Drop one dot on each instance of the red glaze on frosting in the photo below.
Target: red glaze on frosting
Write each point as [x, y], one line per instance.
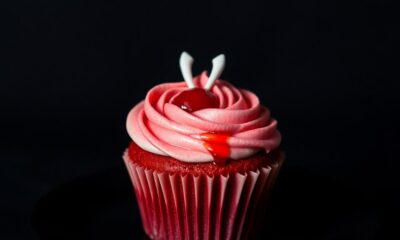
[195, 99]
[217, 145]
[159, 126]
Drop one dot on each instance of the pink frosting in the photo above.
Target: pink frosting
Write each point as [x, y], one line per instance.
[160, 127]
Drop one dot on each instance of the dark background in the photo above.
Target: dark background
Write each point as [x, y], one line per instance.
[71, 70]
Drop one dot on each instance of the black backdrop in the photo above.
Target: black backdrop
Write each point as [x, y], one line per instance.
[71, 70]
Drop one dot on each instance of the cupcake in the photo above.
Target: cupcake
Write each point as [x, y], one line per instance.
[203, 157]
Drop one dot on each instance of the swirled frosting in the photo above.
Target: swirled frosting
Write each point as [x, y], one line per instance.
[160, 127]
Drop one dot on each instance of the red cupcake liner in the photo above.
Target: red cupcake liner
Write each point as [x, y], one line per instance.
[190, 206]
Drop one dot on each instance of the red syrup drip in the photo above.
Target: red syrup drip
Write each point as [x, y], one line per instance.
[217, 145]
[195, 99]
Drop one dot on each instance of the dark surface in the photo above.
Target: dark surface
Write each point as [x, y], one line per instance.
[304, 206]
[70, 71]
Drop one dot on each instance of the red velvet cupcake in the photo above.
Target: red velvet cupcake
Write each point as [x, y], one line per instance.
[203, 159]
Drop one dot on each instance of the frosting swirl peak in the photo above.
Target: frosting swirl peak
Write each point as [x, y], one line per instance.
[161, 127]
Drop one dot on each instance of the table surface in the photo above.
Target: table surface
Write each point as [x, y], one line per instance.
[304, 206]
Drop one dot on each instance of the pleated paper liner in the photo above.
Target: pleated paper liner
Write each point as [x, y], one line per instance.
[188, 206]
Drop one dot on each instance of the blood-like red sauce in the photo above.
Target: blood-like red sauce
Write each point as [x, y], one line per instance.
[217, 145]
[196, 99]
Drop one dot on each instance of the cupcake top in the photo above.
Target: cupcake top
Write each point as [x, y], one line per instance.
[203, 120]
